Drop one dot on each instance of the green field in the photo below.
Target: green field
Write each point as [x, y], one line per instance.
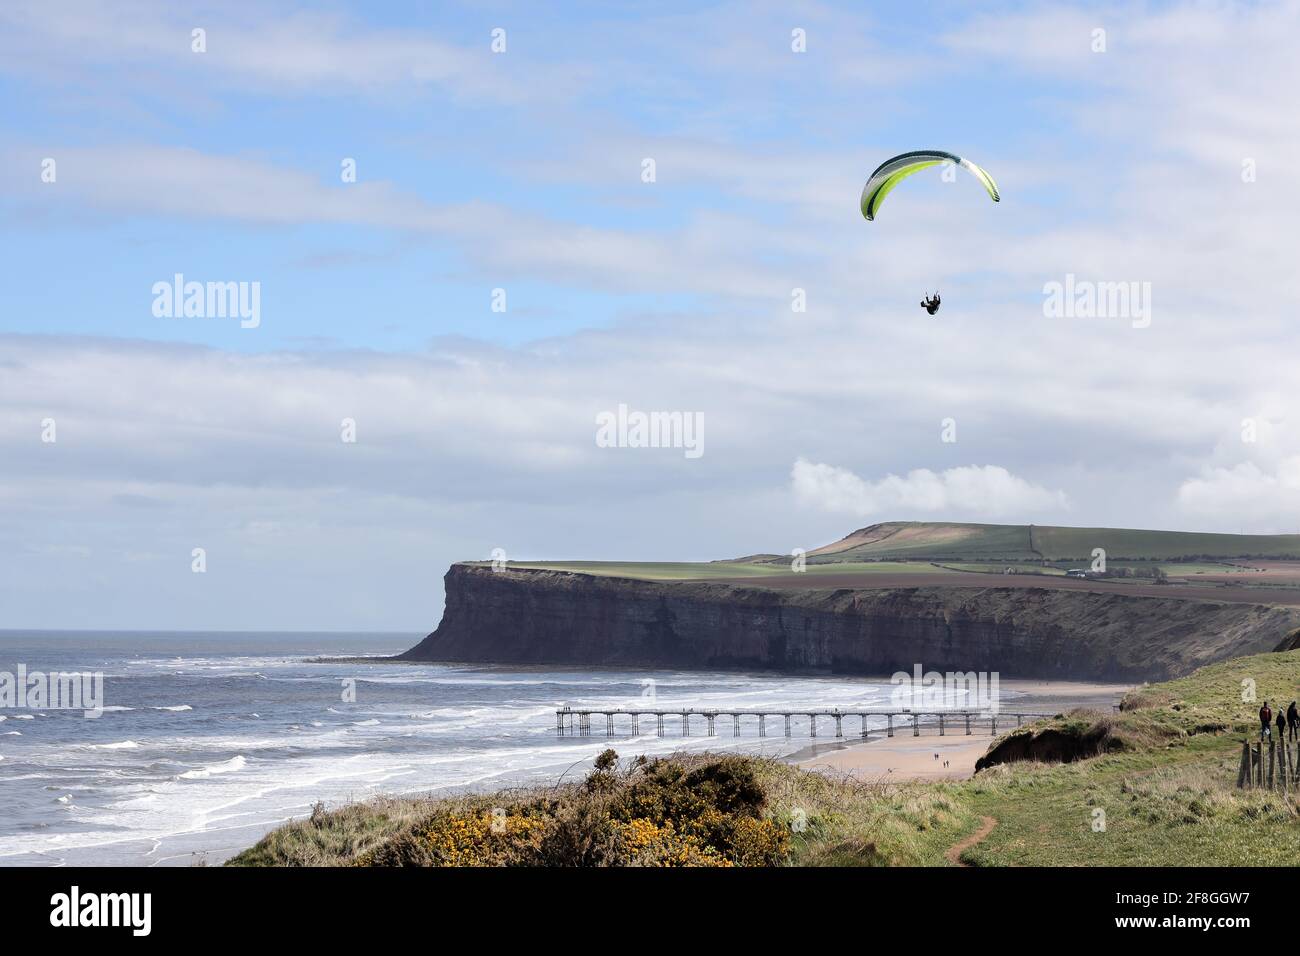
[908, 547]
[985, 542]
[706, 570]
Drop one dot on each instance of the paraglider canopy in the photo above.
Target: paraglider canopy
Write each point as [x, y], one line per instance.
[893, 171]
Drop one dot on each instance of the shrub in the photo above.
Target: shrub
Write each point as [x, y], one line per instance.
[697, 812]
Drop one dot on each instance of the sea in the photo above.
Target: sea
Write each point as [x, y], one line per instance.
[207, 741]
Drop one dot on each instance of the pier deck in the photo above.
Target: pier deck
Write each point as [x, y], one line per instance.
[578, 722]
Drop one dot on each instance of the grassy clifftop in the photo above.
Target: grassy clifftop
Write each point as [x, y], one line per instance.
[905, 546]
[1151, 785]
[982, 542]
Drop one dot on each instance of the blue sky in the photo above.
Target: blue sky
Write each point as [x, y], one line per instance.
[522, 171]
[440, 146]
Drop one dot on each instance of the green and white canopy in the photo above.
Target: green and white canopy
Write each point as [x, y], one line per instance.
[893, 171]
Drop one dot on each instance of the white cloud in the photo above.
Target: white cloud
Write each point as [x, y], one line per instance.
[1246, 493]
[161, 447]
[987, 490]
[273, 52]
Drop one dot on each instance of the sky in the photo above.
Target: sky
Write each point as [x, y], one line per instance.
[558, 210]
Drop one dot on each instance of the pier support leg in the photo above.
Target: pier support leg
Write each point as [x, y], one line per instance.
[968, 725]
[609, 725]
[735, 725]
[916, 728]
[710, 718]
[787, 724]
[762, 725]
[659, 724]
[864, 725]
[636, 725]
[993, 726]
[812, 725]
[839, 726]
[941, 725]
[686, 725]
[891, 725]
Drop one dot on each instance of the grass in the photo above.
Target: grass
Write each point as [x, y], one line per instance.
[1153, 785]
[704, 571]
[990, 542]
[908, 546]
[1168, 799]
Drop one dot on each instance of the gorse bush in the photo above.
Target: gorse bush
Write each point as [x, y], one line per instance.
[655, 813]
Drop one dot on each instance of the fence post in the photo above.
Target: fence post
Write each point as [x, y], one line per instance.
[1270, 762]
[1244, 769]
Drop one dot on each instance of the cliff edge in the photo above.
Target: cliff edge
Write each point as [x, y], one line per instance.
[522, 616]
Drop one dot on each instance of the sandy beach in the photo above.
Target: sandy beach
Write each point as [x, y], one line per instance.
[952, 756]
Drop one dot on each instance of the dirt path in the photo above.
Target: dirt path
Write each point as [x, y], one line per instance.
[957, 849]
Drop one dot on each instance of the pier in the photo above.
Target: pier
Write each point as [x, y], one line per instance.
[579, 722]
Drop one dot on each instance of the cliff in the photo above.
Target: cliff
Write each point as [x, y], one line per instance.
[557, 617]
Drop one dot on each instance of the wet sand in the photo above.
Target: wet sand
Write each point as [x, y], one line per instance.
[904, 757]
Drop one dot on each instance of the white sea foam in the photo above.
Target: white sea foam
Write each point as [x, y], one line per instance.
[423, 729]
[230, 766]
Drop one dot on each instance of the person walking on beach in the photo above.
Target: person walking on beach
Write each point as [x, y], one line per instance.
[1293, 719]
[1265, 721]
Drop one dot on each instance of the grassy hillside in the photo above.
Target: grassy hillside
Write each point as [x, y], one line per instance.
[703, 571]
[983, 542]
[1160, 776]
[909, 546]
[920, 539]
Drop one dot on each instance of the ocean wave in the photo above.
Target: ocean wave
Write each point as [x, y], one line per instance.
[115, 708]
[120, 745]
[177, 709]
[229, 766]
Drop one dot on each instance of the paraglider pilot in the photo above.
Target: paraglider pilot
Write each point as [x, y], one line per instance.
[931, 305]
